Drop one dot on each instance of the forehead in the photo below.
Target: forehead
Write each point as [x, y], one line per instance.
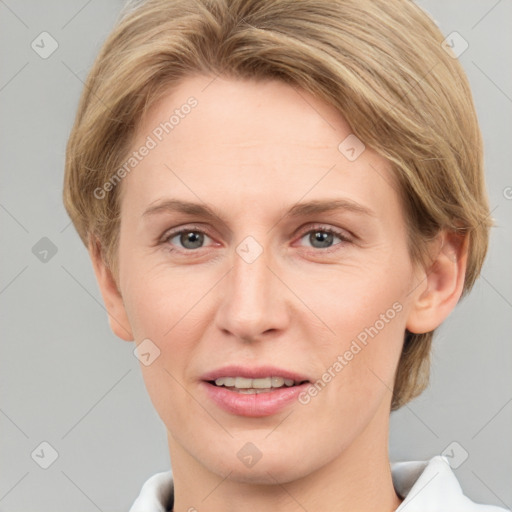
[265, 139]
[244, 114]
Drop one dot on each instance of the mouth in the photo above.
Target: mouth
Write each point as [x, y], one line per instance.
[250, 386]
[253, 391]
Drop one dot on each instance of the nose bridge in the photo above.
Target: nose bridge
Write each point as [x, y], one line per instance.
[249, 305]
[250, 277]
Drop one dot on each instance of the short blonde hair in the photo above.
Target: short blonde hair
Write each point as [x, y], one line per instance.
[380, 63]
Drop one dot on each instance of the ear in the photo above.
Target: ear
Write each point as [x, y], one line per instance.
[441, 284]
[112, 298]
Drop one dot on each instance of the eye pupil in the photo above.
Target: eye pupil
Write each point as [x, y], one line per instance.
[323, 237]
[194, 238]
[319, 239]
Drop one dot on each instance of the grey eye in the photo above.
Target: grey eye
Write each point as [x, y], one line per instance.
[321, 238]
[189, 239]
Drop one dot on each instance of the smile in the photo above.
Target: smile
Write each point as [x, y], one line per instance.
[254, 386]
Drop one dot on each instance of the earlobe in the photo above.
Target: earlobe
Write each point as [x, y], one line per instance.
[441, 284]
[112, 298]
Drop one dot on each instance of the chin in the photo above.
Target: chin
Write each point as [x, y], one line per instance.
[268, 475]
[268, 470]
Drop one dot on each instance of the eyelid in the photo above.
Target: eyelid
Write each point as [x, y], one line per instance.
[344, 235]
[346, 238]
[171, 233]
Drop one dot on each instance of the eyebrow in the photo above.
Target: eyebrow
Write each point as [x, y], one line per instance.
[298, 210]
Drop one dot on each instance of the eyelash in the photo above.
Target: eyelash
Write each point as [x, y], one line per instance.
[320, 229]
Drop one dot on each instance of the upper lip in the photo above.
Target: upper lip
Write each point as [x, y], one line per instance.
[253, 372]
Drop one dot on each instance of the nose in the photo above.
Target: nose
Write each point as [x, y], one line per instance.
[253, 303]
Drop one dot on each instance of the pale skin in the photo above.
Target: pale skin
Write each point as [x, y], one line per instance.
[251, 151]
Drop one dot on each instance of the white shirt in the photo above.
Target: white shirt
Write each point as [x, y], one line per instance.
[425, 486]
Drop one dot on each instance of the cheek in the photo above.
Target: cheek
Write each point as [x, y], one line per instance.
[167, 306]
[357, 301]
[158, 300]
[158, 311]
[364, 310]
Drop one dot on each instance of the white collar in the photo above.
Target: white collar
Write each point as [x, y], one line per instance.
[425, 486]
[431, 486]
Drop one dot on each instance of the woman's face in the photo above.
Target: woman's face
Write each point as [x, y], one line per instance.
[265, 284]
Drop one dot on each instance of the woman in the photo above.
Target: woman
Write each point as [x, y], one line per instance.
[282, 201]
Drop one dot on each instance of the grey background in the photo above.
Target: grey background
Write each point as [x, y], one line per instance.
[66, 379]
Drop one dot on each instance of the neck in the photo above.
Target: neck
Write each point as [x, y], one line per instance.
[359, 479]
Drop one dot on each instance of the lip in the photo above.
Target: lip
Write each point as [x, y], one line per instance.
[253, 405]
[256, 405]
[254, 372]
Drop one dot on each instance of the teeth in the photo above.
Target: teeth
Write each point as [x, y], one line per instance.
[277, 382]
[260, 383]
[254, 384]
[243, 383]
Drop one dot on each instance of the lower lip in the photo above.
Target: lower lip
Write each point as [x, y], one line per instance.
[253, 405]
